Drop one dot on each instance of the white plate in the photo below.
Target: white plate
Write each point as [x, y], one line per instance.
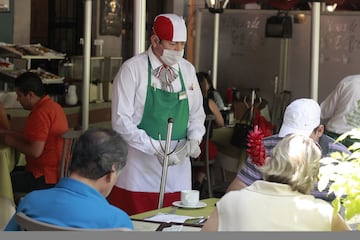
[199, 205]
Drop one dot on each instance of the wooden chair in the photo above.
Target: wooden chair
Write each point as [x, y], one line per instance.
[208, 162]
[70, 138]
[29, 224]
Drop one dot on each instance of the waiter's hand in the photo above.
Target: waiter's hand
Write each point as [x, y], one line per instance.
[193, 148]
[174, 158]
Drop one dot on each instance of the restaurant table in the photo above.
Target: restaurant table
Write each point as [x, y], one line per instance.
[7, 164]
[141, 224]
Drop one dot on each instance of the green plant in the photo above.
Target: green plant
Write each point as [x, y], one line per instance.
[343, 172]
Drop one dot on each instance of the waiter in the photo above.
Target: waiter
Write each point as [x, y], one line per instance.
[148, 89]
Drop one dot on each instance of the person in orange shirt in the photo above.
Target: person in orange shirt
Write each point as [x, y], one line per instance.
[41, 140]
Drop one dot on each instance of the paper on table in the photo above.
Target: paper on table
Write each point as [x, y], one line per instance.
[163, 217]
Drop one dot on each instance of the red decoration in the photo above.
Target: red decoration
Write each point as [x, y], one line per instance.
[256, 148]
[264, 125]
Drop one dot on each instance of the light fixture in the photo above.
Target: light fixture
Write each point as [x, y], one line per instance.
[216, 6]
[331, 7]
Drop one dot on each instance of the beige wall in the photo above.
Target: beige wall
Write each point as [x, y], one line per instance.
[22, 21]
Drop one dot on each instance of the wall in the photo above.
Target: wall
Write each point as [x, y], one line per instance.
[22, 12]
[247, 59]
[6, 23]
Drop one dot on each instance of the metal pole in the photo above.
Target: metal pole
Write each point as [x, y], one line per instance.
[165, 164]
[315, 46]
[283, 65]
[86, 69]
[197, 38]
[139, 26]
[218, 9]
[216, 49]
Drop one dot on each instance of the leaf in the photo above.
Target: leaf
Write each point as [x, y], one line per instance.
[328, 160]
[342, 172]
[322, 184]
[336, 204]
[354, 146]
[335, 155]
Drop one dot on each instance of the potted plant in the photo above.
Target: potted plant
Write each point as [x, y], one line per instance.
[343, 172]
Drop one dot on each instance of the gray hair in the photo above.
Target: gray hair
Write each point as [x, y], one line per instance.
[97, 152]
[295, 161]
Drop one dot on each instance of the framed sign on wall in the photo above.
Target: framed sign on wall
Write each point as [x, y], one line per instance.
[4, 5]
[111, 17]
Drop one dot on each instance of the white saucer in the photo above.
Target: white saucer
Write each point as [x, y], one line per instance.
[199, 205]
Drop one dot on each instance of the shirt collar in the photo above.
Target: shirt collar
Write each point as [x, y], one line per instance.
[272, 188]
[41, 102]
[79, 187]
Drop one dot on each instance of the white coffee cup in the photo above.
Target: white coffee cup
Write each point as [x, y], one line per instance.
[190, 197]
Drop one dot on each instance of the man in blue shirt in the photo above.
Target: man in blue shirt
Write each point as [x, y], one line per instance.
[79, 200]
[302, 116]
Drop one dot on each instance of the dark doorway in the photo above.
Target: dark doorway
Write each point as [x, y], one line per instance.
[58, 24]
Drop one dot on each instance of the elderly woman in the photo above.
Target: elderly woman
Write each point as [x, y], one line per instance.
[280, 202]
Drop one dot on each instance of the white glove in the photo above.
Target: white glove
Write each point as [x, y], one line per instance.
[176, 157]
[193, 148]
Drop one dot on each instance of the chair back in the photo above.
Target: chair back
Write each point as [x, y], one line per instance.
[29, 224]
[70, 138]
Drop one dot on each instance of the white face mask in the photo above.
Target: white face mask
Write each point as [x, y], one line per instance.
[171, 57]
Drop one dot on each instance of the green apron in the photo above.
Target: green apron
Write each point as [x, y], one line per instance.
[161, 105]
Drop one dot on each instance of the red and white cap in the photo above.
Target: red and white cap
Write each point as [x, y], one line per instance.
[170, 27]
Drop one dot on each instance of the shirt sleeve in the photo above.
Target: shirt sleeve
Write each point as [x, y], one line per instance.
[196, 128]
[219, 101]
[12, 225]
[126, 111]
[249, 173]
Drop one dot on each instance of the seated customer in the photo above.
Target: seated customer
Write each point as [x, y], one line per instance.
[341, 109]
[41, 140]
[79, 200]
[212, 93]
[282, 201]
[302, 116]
[210, 108]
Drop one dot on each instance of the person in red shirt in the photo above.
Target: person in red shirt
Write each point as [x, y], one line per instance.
[41, 140]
